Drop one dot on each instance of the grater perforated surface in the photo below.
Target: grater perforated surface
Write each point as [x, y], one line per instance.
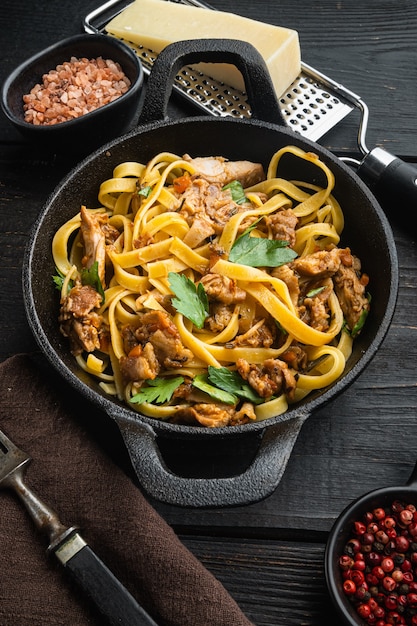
[308, 106]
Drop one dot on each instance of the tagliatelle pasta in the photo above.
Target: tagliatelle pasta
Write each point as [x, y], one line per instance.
[207, 292]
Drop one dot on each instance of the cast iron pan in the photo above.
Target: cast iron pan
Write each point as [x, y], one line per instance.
[367, 232]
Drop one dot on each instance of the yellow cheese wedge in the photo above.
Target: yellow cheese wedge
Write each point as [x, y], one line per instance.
[156, 23]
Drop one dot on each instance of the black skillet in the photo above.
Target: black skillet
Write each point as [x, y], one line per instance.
[240, 464]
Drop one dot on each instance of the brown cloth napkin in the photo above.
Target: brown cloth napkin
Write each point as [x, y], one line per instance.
[74, 475]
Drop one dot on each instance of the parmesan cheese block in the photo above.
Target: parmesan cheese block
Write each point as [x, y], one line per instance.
[156, 23]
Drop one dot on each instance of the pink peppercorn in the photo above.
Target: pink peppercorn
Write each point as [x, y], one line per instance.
[358, 577]
[379, 513]
[378, 572]
[345, 562]
[406, 566]
[401, 544]
[387, 564]
[349, 587]
[389, 583]
[383, 566]
[359, 528]
[364, 610]
[406, 517]
[391, 602]
[397, 575]
[389, 522]
[360, 565]
[412, 599]
[381, 536]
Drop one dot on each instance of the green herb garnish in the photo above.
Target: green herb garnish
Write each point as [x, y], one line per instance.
[233, 383]
[158, 390]
[59, 281]
[259, 252]
[191, 300]
[89, 276]
[237, 191]
[360, 323]
[145, 191]
[315, 292]
[201, 382]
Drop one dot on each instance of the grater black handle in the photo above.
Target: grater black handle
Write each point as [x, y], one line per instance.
[392, 180]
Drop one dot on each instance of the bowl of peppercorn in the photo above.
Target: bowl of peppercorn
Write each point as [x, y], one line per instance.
[76, 94]
[371, 558]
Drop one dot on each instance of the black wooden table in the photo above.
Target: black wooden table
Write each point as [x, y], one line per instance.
[269, 555]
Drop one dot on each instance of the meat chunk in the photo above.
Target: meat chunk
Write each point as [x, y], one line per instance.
[283, 225]
[96, 232]
[350, 290]
[209, 415]
[220, 315]
[222, 289]
[296, 357]
[169, 349]
[289, 277]
[322, 263]
[244, 415]
[314, 309]
[81, 301]
[154, 344]
[272, 378]
[200, 230]
[142, 365]
[215, 415]
[332, 269]
[79, 318]
[208, 201]
[260, 335]
[149, 323]
[220, 170]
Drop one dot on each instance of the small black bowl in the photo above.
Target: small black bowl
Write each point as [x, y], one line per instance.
[342, 530]
[92, 129]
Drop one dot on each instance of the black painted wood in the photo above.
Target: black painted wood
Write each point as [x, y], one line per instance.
[115, 604]
[275, 582]
[270, 554]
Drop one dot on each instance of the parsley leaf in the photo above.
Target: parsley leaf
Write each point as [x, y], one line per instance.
[191, 300]
[90, 277]
[201, 382]
[158, 390]
[237, 191]
[233, 383]
[59, 281]
[145, 191]
[259, 252]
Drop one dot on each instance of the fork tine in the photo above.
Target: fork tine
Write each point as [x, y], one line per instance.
[11, 458]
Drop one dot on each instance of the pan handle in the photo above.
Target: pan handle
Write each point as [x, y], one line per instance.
[392, 180]
[258, 481]
[259, 88]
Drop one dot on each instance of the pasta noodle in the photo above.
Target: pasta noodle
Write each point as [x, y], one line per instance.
[205, 292]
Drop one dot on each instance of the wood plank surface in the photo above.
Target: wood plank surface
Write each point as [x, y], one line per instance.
[268, 554]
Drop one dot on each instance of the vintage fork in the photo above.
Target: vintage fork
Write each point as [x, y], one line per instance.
[114, 602]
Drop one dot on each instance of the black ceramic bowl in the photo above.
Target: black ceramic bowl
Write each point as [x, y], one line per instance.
[342, 530]
[93, 128]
